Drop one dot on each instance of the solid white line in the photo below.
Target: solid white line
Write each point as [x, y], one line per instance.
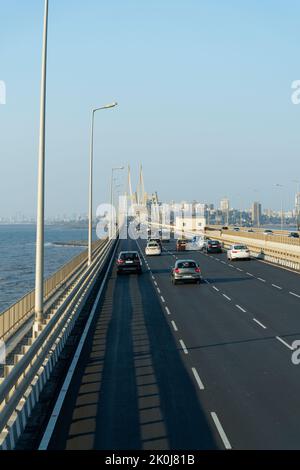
[214, 287]
[174, 325]
[183, 346]
[295, 295]
[283, 342]
[241, 308]
[198, 380]
[162, 299]
[168, 311]
[221, 430]
[260, 279]
[63, 392]
[260, 324]
[226, 297]
[276, 287]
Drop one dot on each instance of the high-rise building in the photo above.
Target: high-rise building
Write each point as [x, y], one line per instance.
[224, 206]
[297, 209]
[256, 213]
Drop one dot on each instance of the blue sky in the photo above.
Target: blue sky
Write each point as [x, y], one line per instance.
[204, 92]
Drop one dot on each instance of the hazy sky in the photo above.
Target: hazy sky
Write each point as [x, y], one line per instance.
[204, 92]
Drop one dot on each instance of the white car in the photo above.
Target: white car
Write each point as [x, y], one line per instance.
[238, 252]
[197, 243]
[152, 248]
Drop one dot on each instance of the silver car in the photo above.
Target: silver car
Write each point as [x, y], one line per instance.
[186, 270]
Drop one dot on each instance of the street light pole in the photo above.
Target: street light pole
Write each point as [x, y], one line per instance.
[90, 230]
[39, 267]
[281, 222]
[111, 198]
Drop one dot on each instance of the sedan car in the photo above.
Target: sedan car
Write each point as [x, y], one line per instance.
[238, 252]
[268, 232]
[186, 270]
[293, 235]
[213, 246]
[155, 240]
[129, 261]
[152, 248]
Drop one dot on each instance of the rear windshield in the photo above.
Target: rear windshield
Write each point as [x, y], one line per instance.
[181, 242]
[130, 256]
[240, 247]
[153, 244]
[186, 264]
[214, 242]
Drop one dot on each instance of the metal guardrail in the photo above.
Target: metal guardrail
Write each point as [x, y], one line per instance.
[12, 317]
[20, 388]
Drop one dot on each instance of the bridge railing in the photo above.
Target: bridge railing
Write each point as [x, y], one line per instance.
[17, 313]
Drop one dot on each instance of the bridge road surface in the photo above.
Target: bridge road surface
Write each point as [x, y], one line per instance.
[189, 366]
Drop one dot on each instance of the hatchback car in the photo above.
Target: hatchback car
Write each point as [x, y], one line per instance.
[155, 240]
[186, 270]
[213, 246]
[238, 252]
[180, 245]
[129, 261]
[152, 248]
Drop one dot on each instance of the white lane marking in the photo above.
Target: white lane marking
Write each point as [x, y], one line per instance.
[223, 262]
[214, 287]
[217, 259]
[230, 265]
[162, 299]
[64, 389]
[197, 378]
[295, 295]
[260, 324]
[205, 280]
[168, 311]
[183, 346]
[226, 297]
[158, 290]
[249, 274]
[260, 279]
[174, 325]
[276, 287]
[155, 283]
[283, 342]
[153, 278]
[221, 430]
[241, 308]
[239, 269]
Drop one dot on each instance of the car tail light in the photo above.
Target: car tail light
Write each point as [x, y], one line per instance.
[234, 251]
[176, 270]
[120, 261]
[197, 270]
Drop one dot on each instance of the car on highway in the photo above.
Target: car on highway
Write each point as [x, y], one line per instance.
[153, 248]
[250, 230]
[293, 235]
[268, 232]
[186, 270]
[129, 261]
[236, 229]
[213, 246]
[156, 240]
[180, 244]
[238, 252]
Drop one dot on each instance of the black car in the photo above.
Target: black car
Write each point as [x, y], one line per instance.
[293, 235]
[213, 246]
[129, 261]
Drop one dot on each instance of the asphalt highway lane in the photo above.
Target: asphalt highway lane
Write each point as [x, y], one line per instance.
[189, 366]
